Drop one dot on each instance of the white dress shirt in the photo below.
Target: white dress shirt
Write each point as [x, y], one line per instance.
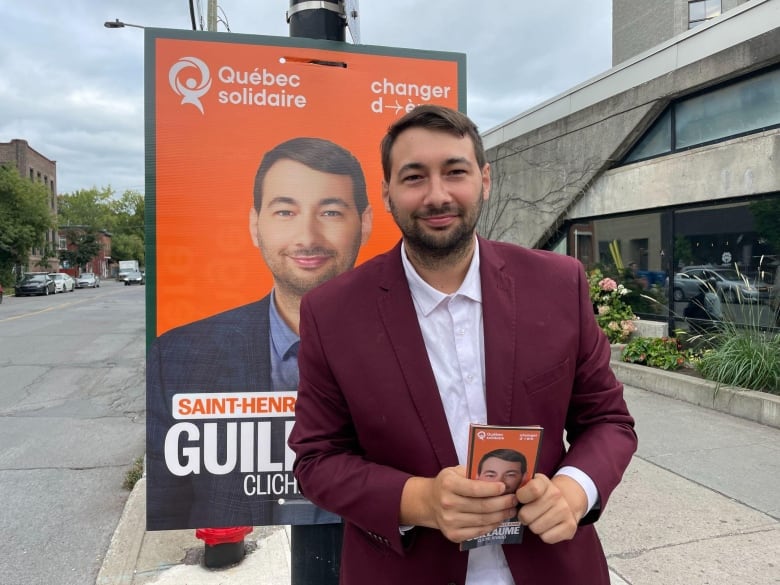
[454, 338]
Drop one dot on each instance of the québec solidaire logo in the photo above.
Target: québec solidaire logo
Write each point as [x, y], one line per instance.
[191, 89]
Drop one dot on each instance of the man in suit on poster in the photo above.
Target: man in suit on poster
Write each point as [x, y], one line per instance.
[398, 356]
[309, 219]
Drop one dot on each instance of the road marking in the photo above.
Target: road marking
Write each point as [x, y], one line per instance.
[66, 304]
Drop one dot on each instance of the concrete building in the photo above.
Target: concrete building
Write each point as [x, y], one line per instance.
[671, 157]
[639, 26]
[33, 165]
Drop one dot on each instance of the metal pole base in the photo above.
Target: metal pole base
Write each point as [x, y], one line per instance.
[315, 554]
[223, 555]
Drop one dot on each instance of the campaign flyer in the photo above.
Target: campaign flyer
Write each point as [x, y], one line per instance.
[506, 454]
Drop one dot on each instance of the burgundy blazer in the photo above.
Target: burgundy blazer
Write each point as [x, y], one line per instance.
[369, 416]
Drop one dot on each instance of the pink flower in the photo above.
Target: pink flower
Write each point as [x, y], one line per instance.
[607, 284]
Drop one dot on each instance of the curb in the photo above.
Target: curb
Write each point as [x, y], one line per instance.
[760, 407]
[120, 561]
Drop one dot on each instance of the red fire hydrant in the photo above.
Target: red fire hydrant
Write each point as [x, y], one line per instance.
[224, 546]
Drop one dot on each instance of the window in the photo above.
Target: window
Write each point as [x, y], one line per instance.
[745, 106]
[701, 11]
[657, 140]
[733, 246]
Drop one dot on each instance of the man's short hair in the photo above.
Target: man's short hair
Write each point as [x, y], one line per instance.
[506, 455]
[432, 117]
[317, 154]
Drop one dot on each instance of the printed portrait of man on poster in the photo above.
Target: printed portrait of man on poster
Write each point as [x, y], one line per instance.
[263, 181]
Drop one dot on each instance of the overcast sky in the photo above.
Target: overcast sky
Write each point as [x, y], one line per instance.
[74, 89]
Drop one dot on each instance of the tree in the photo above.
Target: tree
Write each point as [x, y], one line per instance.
[87, 207]
[766, 213]
[24, 219]
[85, 247]
[127, 241]
[99, 209]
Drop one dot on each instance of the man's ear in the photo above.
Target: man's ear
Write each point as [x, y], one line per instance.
[386, 195]
[486, 181]
[253, 227]
[366, 224]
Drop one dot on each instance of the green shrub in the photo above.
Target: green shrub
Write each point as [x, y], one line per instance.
[747, 359]
[665, 353]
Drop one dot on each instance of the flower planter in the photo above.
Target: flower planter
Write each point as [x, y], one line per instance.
[760, 407]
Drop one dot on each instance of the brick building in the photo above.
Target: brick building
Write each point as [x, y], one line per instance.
[33, 165]
[100, 264]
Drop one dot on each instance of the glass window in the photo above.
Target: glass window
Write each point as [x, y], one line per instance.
[700, 11]
[657, 140]
[664, 259]
[734, 250]
[696, 11]
[630, 250]
[712, 8]
[749, 105]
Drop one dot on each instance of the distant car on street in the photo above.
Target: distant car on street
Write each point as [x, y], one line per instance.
[135, 277]
[88, 280]
[34, 283]
[62, 282]
[730, 285]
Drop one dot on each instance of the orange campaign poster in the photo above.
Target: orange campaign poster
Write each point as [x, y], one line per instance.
[263, 180]
[506, 454]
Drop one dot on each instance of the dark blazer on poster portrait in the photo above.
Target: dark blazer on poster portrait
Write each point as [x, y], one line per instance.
[228, 352]
[369, 414]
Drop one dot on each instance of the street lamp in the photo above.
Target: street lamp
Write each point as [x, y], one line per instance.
[119, 24]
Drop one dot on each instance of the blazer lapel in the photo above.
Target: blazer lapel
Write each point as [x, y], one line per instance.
[500, 319]
[400, 321]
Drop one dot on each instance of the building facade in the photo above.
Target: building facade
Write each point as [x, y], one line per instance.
[100, 264]
[667, 162]
[33, 165]
[639, 26]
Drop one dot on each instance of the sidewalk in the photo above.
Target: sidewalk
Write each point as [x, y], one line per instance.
[698, 504]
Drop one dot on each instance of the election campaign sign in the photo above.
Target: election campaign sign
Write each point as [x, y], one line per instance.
[263, 181]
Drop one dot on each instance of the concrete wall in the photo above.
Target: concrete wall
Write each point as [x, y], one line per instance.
[638, 26]
[742, 166]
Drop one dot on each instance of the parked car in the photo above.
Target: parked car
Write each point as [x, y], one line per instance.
[730, 285]
[62, 282]
[1, 293]
[88, 280]
[685, 287]
[34, 283]
[134, 277]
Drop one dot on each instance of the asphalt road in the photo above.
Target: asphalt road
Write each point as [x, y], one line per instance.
[72, 408]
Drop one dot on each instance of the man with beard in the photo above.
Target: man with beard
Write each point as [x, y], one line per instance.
[310, 217]
[398, 356]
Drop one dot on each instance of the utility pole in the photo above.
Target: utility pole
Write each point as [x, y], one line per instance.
[211, 16]
[315, 550]
[317, 20]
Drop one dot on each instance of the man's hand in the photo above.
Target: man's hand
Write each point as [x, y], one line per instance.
[461, 508]
[552, 508]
